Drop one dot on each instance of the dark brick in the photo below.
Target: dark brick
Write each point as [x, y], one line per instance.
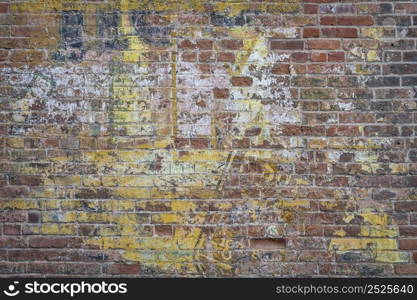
[400, 69]
[287, 45]
[374, 81]
[409, 80]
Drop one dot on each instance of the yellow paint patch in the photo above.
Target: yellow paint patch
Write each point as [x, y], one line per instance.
[58, 229]
[372, 56]
[339, 232]
[378, 231]
[375, 219]
[167, 218]
[347, 244]
[179, 205]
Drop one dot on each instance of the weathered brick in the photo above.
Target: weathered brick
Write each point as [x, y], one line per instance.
[267, 243]
[387, 81]
[241, 81]
[340, 32]
[318, 57]
[299, 57]
[215, 140]
[336, 56]
[226, 57]
[54, 242]
[281, 69]
[317, 93]
[310, 8]
[405, 7]
[408, 231]
[381, 131]
[408, 244]
[231, 44]
[11, 229]
[220, 93]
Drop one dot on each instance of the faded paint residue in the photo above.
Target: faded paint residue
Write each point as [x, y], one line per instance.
[207, 138]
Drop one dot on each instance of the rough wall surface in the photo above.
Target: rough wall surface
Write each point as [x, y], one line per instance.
[208, 138]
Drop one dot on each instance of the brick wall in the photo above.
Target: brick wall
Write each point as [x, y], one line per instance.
[208, 138]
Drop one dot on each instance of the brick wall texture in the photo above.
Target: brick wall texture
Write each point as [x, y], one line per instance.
[208, 138]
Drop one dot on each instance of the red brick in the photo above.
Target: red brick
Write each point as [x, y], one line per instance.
[328, 20]
[4, 8]
[318, 57]
[207, 56]
[324, 44]
[299, 57]
[336, 56]
[406, 269]
[189, 56]
[267, 243]
[241, 81]
[281, 69]
[311, 32]
[287, 45]
[408, 244]
[310, 8]
[12, 242]
[204, 44]
[355, 21]
[226, 57]
[192, 19]
[220, 93]
[340, 32]
[187, 44]
[231, 44]
[163, 230]
[18, 56]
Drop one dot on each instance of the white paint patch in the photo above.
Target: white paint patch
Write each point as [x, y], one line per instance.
[334, 156]
[346, 106]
